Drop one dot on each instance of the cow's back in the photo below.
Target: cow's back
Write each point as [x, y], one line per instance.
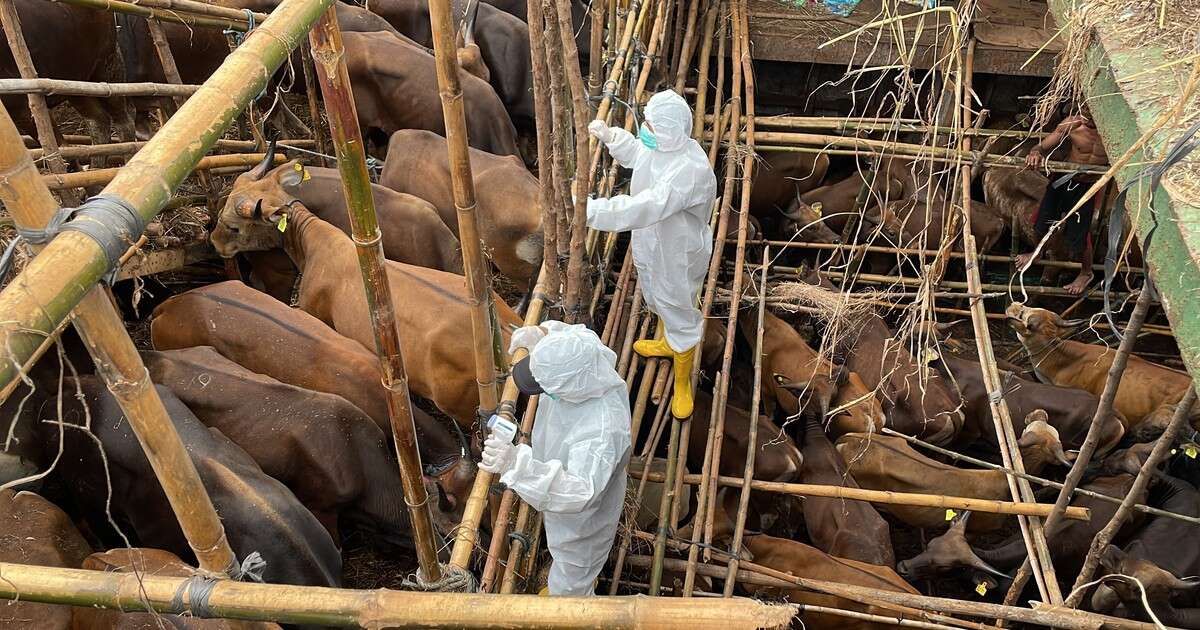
[34, 531]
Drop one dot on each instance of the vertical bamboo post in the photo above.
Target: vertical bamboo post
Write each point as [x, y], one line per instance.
[739, 525]
[38, 108]
[325, 39]
[314, 106]
[544, 122]
[1035, 537]
[710, 20]
[683, 63]
[118, 362]
[478, 276]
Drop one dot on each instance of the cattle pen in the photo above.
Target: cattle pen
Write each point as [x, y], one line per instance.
[897, 423]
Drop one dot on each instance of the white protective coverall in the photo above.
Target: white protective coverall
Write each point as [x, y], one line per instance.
[574, 472]
[668, 208]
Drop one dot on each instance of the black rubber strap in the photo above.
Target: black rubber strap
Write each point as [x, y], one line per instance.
[113, 223]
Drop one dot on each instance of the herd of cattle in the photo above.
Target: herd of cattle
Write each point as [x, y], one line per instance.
[273, 388]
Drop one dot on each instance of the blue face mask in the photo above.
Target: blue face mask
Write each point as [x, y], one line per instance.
[647, 138]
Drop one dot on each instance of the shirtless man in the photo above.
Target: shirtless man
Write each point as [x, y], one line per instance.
[1085, 148]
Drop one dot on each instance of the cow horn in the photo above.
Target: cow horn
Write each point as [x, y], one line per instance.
[268, 160]
[1073, 323]
[469, 23]
[945, 327]
[977, 563]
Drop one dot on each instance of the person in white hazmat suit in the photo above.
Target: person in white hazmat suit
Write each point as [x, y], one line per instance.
[573, 470]
[667, 210]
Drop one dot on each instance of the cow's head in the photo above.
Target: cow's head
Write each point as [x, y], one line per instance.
[1040, 444]
[807, 224]
[1128, 461]
[260, 199]
[946, 553]
[1160, 585]
[1155, 424]
[815, 391]
[1029, 322]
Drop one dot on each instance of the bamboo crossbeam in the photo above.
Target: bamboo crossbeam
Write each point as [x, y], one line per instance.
[119, 364]
[61, 87]
[326, 41]
[42, 295]
[883, 124]
[202, 8]
[885, 497]
[384, 608]
[944, 155]
[84, 151]
[99, 176]
[1053, 617]
[175, 16]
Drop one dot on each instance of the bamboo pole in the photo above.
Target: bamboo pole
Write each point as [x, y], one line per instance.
[62, 87]
[98, 176]
[543, 118]
[739, 523]
[84, 151]
[837, 123]
[984, 160]
[914, 499]
[203, 8]
[382, 608]
[120, 365]
[1148, 470]
[467, 533]
[710, 21]
[683, 63]
[478, 276]
[166, 15]
[42, 295]
[743, 75]
[326, 41]
[314, 105]
[1107, 397]
[1146, 509]
[715, 418]
[39, 110]
[1048, 616]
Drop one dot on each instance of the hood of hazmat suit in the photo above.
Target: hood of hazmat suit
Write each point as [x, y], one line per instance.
[667, 209]
[574, 469]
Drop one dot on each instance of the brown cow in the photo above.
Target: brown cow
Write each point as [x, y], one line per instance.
[92, 56]
[837, 200]
[158, 563]
[847, 529]
[800, 559]
[780, 177]
[882, 462]
[776, 457]
[413, 232]
[790, 366]
[1144, 387]
[326, 450]
[34, 531]
[239, 322]
[110, 480]
[431, 307]
[395, 87]
[1068, 410]
[915, 224]
[503, 41]
[506, 198]
[917, 400]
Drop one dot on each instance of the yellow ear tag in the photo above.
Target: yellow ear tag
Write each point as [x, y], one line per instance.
[950, 514]
[930, 356]
[981, 588]
[1190, 450]
[304, 176]
[817, 207]
[282, 225]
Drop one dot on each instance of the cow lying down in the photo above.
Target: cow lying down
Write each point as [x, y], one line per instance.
[259, 514]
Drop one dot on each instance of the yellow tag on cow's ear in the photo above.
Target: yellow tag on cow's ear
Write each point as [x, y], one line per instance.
[304, 175]
[930, 356]
[981, 588]
[1190, 450]
[950, 514]
[282, 225]
[817, 207]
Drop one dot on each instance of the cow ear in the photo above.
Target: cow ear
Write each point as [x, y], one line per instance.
[292, 174]
[1111, 558]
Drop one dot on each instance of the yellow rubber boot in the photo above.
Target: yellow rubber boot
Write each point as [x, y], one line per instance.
[656, 347]
[681, 400]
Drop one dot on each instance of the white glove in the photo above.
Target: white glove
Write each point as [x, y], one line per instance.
[600, 131]
[525, 337]
[498, 455]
